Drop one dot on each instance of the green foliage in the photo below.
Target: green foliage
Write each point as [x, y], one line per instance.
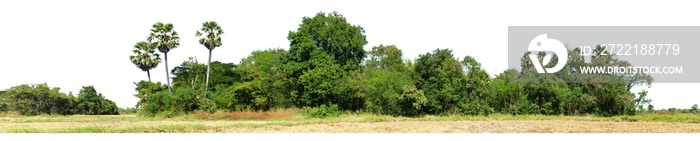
[164, 38]
[210, 41]
[193, 74]
[326, 65]
[441, 77]
[694, 109]
[331, 34]
[212, 32]
[89, 102]
[324, 111]
[266, 68]
[247, 96]
[641, 100]
[323, 50]
[145, 57]
[145, 89]
[4, 103]
[42, 99]
[155, 101]
[386, 84]
[128, 110]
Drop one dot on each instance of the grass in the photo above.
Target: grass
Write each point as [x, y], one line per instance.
[295, 120]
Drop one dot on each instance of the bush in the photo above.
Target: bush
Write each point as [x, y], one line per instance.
[183, 100]
[156, 103]
[206, 105]
[128, 110]
[89, 102]
[325, 111]
[3, 107]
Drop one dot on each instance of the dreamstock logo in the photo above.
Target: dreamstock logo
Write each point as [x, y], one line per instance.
[542, 43]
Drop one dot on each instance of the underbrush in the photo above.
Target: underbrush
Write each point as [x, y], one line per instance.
[245, 115]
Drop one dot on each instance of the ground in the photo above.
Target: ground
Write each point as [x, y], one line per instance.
[361, 123]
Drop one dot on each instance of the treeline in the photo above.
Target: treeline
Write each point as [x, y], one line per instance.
[326, 66]
[41, 99]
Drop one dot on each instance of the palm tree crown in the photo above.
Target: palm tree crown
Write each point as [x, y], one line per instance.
[165, 37]
[213, 35]
[145, 56]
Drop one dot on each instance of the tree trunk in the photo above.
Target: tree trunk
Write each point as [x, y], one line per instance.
[167, 74]
[206, 85]
[149, 75]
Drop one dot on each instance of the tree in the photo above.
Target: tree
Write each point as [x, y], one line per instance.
[386, 84]
[90, 102]
[145, 57]
[442, 79]
[477, 93]
[266, 67]
[210, 41]
[323, 50]
[42, 99]
[332, 34]
[165, 39]
[189, 74]
[694, 108]
[36, 99]
[641, 100]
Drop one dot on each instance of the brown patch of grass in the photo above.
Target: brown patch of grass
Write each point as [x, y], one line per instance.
[243, 115]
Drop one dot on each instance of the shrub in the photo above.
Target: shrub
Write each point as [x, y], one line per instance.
[206, 105]
[325, 111]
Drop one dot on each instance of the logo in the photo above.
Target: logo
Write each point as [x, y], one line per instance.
[542, 43]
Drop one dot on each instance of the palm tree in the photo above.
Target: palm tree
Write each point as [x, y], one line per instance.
[210, 41]
[165, 39]
[145, 57]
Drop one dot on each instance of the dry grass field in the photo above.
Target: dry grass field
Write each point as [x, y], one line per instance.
[290, 122]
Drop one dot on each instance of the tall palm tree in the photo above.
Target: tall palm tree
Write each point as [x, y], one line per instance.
[165, 39]
[213, 32]
[145, 57]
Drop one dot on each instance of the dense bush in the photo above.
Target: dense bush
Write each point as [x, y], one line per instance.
[42, 99]
[442, 79]
[155, 100]
[325, 111]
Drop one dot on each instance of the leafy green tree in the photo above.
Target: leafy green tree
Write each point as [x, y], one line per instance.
[145, 57]
[442, 79]
[266, 67]
[210, 41]
[477, 91]
[35, 99]
[144, 89]
[165, 39]
[323, 50]
[42, 99]
[191, 74]
[694, 108]
[386, 84]
[3, 102]
[92, 103]
[641, 100]
[332, 34]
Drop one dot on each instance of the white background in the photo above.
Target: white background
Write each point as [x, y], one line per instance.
[72, 43]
